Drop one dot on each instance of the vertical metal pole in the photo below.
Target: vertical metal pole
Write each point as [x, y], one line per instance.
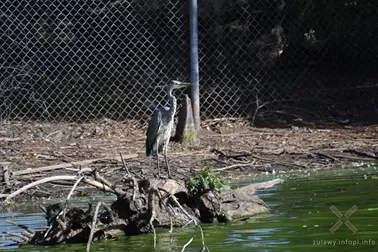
[194, 72]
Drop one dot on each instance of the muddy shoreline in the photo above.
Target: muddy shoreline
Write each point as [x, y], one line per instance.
[231, 146]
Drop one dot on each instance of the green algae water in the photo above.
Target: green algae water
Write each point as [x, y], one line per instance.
[333, 210]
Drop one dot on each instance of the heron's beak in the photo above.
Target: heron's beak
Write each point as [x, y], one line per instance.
[179, 84]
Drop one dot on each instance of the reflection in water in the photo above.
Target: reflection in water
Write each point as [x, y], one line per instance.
[299, 221]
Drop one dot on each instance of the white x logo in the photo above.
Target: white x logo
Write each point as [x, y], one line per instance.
[347, 222]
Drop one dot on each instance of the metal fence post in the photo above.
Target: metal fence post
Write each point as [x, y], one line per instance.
[194, 75]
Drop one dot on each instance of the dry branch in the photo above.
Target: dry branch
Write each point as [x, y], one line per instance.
[221, 154]
[8, 139]
[68, 165]
[124, 164]
[321, 154]
[74, 187]
[24, 238]
[36, 183]
[280, 163]
[366, 159]
[362, 153]
[252, 164]
[97, 184]
[191, 218]
[49, 179]
[93, 227]
[152, 211]
[26, 228]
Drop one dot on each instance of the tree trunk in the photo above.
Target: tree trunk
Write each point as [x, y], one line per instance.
[186, 132]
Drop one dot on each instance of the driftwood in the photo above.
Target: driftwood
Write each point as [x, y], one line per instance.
[141, 206]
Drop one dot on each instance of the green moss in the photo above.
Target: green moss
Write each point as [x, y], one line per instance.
[190, 137]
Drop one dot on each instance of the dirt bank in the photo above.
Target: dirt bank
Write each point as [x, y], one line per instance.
[232, 146]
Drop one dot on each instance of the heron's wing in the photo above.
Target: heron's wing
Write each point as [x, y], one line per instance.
[152, 131]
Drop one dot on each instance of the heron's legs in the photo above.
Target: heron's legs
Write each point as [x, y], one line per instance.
[157, 156]
[166, 159]
[158, 166]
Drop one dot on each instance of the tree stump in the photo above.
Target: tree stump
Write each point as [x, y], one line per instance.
[6, 173]
[186, 132]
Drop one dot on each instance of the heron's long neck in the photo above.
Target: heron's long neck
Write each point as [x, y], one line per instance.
[172, 103]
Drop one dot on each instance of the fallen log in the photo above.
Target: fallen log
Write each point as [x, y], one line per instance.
[141, 206]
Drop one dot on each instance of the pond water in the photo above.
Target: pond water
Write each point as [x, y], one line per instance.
[300, 220]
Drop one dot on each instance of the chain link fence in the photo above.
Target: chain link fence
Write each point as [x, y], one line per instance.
[82, 60]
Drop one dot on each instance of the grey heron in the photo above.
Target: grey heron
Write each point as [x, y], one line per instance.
[161, 124]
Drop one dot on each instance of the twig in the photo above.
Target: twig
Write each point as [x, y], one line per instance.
[235, 156]
[152, 212]
[170, 229]
[176, 202]
[74, 187]
[52, 133]
[258, 107]
[15, 240]
[124, 164]
[281, 163]
[171, 211]
[36, 183]
[82, 170]
[135, 184]
[45, 157]
[26, 228]
[219, 152]
[362, 153]
[99, 185]
[108, 184]
[93, 226]
[192, 219]
[102, 179]
[48, 230]
[54, 167]
[62, 225]
[67, 165]
[204, 246]
[190, 240]
[252, 164]
[109, 211]
[321, 154]
[49, 179]
[282, 112]
[355, 158]
[8, 139]
[27, 234]
[63, 212]
[223, 119]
